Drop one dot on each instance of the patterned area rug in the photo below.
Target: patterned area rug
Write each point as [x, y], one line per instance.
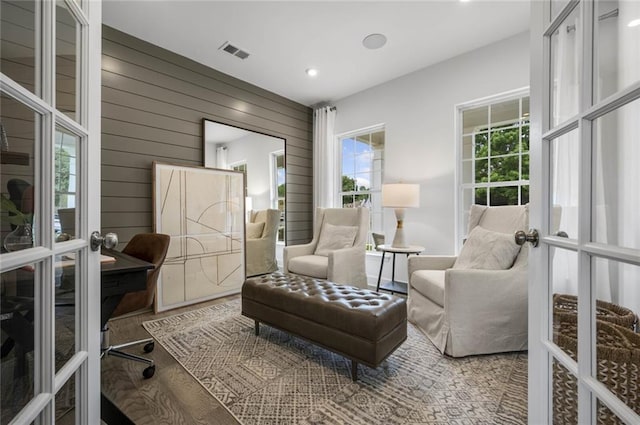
[275, 378]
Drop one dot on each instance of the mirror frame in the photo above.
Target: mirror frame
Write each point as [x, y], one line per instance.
[284, 143]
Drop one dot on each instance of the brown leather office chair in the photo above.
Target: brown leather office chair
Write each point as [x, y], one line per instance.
[151, 247]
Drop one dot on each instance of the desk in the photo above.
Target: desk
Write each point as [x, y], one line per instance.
[125, 274]
[393, 286]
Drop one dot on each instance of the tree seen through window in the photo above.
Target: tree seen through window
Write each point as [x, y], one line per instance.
[495, 158]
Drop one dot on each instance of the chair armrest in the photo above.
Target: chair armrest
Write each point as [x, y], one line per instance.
[257, 246]
[430, 262]
[485, 292]
[293, 251]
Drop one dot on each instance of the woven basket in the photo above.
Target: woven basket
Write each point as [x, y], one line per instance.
[618, 359]
[565, 308]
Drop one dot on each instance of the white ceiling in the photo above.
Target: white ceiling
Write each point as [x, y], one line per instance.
[285, 38]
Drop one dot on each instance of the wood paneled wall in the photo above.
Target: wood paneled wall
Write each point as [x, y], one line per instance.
[153, 102]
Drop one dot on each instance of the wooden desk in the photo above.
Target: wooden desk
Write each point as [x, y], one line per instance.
[125, 274]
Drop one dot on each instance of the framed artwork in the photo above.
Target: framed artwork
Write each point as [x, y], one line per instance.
[202, 210]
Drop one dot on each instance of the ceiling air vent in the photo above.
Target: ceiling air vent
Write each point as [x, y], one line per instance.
[233, 50]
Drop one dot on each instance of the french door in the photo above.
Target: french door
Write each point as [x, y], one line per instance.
[584, 345]
[50, 154]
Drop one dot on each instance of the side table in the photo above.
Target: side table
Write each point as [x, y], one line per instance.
[393, 286]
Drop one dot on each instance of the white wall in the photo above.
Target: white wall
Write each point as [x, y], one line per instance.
[418, 111]
[256, 150]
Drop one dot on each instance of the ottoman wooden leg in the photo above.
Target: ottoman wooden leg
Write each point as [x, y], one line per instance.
[257, 328]
[354, 370]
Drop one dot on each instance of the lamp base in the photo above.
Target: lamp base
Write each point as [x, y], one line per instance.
[398, 239]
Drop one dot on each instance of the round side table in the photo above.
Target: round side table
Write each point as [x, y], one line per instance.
[393, 286]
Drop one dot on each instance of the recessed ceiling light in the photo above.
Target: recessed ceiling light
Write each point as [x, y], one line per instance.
[634, 23]
[464, 1]
[374, 41]
[311, 72]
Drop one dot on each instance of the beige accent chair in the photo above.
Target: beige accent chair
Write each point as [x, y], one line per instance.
[471, 311]
[344, 262]
[261, 251]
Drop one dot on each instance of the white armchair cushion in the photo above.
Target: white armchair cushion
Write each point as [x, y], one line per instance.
[335, 237]
[310, 265]
[254, 230]
[487, 250]
[429, 283]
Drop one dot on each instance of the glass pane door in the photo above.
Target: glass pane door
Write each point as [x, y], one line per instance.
[49, 281]
[585, 287]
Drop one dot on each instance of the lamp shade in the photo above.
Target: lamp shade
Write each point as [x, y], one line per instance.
[401, 195]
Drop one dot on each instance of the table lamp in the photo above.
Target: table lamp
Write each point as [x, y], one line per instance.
[400, 196]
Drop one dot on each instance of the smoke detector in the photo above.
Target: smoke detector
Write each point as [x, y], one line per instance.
[233, 50]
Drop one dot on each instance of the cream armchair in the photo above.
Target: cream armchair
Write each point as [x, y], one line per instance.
[337, 251]
[467, 311]
[262, 234]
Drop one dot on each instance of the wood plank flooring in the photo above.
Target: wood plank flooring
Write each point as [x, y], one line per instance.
[172, 395]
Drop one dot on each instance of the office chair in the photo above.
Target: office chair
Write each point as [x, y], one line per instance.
[151, 247]
[17, 310]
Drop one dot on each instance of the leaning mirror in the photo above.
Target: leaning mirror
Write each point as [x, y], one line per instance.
[262, 158]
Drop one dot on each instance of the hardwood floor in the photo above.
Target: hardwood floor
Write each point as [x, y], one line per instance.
[172, 395]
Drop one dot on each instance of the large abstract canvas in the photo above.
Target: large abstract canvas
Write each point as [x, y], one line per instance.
[202, 209]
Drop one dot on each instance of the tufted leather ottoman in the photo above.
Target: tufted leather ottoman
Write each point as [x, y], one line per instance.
[362, 325]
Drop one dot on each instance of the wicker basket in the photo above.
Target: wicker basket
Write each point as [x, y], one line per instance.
[565, 308]
[618, 359]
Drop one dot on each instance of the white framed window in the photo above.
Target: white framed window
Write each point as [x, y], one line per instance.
[492, 154]
[65, 151]
[239, 166]
[361, 159]
[278, 189]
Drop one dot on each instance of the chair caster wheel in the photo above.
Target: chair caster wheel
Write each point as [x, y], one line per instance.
[149, 347]
[148, 372]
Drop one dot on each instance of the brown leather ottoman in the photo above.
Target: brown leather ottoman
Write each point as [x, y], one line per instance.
[362, 325]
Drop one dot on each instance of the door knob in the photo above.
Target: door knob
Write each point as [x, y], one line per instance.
[109, 241]
[531, 237]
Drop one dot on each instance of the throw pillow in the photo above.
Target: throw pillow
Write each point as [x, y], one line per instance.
[487, 250]
[335, 237]
[254, 230]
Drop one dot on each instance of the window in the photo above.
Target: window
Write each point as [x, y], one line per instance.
[65, 169]
[65, 158]
[361, 162]
[494, 154]
[240, 166]
[278, 189]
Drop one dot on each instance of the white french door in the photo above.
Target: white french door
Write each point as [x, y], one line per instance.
[50, 153]
[584, 291]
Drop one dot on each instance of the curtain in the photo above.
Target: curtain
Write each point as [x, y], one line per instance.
[625, 227]
[617, 199]
[606, 187]
[324, 157]
[564, 155]
[221, 158]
